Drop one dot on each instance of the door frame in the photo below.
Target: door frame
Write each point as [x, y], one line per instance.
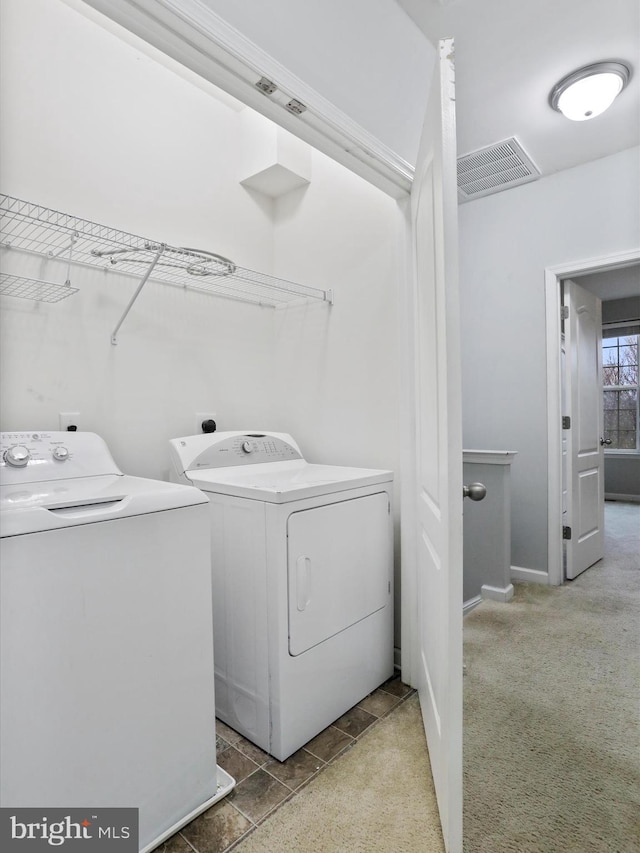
[553, 277]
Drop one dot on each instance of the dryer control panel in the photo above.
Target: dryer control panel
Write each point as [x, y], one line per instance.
[224, 449]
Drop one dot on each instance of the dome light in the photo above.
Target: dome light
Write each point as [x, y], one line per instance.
[589, 91]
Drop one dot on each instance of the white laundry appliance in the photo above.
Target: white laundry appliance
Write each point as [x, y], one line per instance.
[302, 563]
[107, 687]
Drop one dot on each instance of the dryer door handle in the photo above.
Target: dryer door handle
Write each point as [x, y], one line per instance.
[303, 582]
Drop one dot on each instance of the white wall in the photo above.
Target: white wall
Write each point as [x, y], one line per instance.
[101, 130]
[340, 368]
[94, 127]
[506, 241]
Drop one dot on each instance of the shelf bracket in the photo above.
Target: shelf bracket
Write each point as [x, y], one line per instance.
[114, 334]
[62, 250]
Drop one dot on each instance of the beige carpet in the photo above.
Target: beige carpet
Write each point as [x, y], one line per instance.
[376, 798]
[552, 738]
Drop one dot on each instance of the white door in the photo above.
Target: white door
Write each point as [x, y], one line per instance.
[432, 506]
[585, 457]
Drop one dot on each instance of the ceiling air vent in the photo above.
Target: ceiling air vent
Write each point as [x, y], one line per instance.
[493, 169]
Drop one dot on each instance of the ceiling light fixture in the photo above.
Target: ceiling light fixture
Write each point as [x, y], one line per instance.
[589, 91]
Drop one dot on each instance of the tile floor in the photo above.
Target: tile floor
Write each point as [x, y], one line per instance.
[263, 784]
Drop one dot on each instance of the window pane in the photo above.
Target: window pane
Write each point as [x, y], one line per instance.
[611, 400]
[620, 369]
[628, 340]
[627, 441]
[610, 375]
[627, 419]
[628, 374]
[628, 355]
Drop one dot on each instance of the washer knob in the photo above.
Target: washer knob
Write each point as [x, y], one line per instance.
[246, 446]
[17, 456]
[60, 453]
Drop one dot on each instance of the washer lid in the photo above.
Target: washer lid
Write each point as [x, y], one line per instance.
[33, 507]
[281, 482]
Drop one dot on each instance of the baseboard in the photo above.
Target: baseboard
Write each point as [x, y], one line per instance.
[623, 498]
[468, 606]
[497, 593]
[518, 573]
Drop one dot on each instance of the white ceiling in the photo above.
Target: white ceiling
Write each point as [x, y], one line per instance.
[613, 284]
[509, 55]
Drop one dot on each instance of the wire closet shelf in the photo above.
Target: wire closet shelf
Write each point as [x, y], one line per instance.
[36, 229]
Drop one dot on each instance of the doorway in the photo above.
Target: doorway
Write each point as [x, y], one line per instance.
[554, 276]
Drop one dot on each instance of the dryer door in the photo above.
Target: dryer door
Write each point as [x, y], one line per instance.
[339, 567]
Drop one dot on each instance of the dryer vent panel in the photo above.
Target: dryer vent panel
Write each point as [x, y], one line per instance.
[493, 169]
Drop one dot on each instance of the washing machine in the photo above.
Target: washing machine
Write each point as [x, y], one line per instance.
[107, 686]
[302, 564]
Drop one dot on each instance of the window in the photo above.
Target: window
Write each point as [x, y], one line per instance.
[620, 381]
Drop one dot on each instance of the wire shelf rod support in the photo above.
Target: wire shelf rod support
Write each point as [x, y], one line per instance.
[114, 334]
[63, 249]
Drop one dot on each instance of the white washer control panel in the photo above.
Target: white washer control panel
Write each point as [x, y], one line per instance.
[27, 457]
[20, 448]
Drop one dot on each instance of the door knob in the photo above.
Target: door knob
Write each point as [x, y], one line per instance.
[606, 441]
[475, 491]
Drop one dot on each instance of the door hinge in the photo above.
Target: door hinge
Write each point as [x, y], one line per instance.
[566, 533]
[268, 87]
[566, 422]
[564, 312]
[295, 107]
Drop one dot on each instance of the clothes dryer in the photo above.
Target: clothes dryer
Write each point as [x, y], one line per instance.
[107, 686]
[302, 563]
